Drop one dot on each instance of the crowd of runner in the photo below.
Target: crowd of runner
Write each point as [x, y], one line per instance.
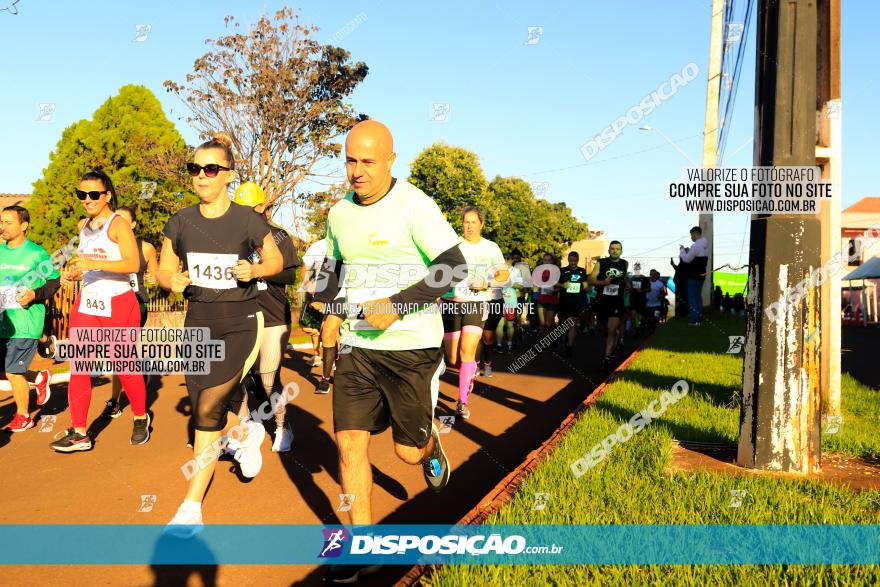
[381, 345]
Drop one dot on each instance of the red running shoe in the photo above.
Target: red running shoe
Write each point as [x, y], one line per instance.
[19, 424]
[43, 391]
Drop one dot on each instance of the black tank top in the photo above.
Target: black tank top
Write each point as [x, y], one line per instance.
[616, 271]
[273, 299]
[210, 247]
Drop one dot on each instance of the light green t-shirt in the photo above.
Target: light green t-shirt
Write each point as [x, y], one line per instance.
[385, 247]
[481, 257]
[27, 265]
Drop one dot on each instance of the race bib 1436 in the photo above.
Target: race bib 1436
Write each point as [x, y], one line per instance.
[212, 270]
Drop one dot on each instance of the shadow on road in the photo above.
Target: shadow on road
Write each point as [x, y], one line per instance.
[475, 477]
[165, 575]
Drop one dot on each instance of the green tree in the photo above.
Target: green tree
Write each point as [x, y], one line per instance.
[516, 220]
[452, 176]
[509, 204]
[282, 97]
[132, 141]
[559, 225]
[315, 216]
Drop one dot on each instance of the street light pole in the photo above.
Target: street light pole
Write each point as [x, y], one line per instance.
[706, 220]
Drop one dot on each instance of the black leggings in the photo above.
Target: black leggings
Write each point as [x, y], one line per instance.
[239, 325]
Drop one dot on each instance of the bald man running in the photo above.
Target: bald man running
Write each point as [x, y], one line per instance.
[393, 326]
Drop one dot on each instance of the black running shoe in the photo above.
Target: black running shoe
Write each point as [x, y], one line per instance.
[141, 432]
[436, 468]
[606, 364]
[46, 348]
[112, 409]
[72, 441]
[347, 574]
[323, 387]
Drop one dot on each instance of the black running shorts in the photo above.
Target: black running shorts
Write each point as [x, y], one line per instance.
[496, 311]
[567, 311]
[459, 314]
[238, 325]
[374, 389]
[610, 307]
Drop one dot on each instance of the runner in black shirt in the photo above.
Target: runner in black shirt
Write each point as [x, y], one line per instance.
[214, 241]
[641, 285]
[273, 302]
[610, 275]
[572, 288]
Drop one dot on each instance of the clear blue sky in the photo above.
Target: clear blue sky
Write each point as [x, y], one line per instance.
[525, 109]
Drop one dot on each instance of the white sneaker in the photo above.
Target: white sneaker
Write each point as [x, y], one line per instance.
[249, 456]
[283, 440]
[315, 361]
[232, 444]
[186, 523]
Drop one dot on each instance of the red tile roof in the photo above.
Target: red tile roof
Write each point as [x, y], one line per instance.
[865, 206]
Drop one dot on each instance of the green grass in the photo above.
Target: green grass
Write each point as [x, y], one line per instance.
[860, 431]
[633, 485]
[711, 410]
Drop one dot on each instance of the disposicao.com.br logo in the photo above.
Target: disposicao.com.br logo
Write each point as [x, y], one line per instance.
[449, 544]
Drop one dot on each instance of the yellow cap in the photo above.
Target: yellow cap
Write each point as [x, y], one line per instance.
[249, 194]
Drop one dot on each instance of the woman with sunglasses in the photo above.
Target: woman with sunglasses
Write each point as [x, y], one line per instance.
[214, 240]
[106, 255]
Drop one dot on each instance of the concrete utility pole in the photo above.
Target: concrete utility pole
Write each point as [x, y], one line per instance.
[710, 132]
[828, 157]
[780, 425]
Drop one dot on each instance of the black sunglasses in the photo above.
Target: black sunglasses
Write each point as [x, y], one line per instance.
[91, 195]
[211, 169]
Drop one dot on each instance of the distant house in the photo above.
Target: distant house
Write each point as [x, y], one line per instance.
[13, 199]
[859, 296]
[590, 249]
[854, 224]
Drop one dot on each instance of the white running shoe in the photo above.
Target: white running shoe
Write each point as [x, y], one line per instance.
[232, 444]
[249, 456]
[186, 523]
[283, 440]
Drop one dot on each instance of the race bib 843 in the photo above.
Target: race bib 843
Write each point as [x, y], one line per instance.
[95, 303]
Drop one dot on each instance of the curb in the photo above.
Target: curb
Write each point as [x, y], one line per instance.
[507, 487]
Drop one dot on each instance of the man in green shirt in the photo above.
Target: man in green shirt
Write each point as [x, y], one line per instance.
[27, 278]
[398, 256]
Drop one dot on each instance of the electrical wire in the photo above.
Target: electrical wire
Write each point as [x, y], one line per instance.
[727, 116]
